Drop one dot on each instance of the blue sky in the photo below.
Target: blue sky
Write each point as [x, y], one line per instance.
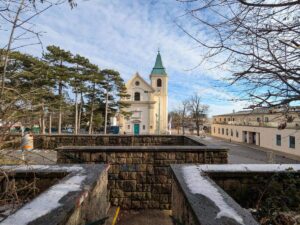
[125, 35]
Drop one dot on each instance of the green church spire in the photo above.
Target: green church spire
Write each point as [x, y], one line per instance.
[158, 68]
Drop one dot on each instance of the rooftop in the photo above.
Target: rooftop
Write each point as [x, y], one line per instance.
[263, 110]
[158, 68]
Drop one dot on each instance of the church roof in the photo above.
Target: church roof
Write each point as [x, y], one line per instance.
[158, 68]
[137, 75]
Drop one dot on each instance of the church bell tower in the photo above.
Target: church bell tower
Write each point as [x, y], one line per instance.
[159, 81]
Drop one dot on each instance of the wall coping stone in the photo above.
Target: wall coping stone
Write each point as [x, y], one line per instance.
[172, 148]
[67, 203]
[205, 209]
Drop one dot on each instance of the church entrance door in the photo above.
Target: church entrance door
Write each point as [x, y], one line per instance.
[136, 129]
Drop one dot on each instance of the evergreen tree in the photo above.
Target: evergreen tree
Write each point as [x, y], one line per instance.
[114, 89]
[77, 82]
[59, 60]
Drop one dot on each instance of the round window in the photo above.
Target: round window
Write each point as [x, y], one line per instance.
[137, 83]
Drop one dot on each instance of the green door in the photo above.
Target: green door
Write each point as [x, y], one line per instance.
[136, 129]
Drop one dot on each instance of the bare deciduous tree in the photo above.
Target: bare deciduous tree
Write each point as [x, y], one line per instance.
[259, 42]
[198, 111]
[183, 111]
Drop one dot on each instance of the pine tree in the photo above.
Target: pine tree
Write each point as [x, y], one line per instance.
[77, 82]
[59, 60]
[114, 89]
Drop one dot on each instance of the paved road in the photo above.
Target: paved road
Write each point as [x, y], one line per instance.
[240, 153]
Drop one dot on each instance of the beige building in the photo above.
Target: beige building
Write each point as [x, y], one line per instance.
[265, 127]
[148, 103]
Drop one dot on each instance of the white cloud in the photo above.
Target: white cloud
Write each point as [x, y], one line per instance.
[125, 35]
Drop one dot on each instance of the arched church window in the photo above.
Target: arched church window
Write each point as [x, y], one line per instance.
[159, 82]
[137, 96]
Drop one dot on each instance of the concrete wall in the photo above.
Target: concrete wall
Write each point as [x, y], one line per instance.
[266, 136]
[139, 177]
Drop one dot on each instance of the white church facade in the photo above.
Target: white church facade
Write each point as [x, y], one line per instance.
[148, 103]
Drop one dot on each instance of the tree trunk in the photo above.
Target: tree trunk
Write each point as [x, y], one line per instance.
[16, 19]
[182, 124]
[76, 113]
[106, 112]
[80, 112]
[198, 129]
[91, 119]
[60, 110]
[50, 123]
[92, 111]
[43, 126]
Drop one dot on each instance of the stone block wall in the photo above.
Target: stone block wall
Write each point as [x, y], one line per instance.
[55, 141]
[181, 209]
[86, 204]
[138, 177]
[94, 207]
[191, 204]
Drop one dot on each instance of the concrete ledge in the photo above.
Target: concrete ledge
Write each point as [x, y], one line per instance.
[197, 199]
[71, 201]
[172, 148]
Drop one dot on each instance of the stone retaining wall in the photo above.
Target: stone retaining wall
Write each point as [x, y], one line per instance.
[75, 206]
[55, 141]
[140, 177]
[200, 193]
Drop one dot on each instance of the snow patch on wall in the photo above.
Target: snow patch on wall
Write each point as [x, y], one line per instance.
[197, 184]
[248, 167]
[48, 200]
[27, 168]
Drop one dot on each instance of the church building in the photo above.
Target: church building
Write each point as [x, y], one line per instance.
[148, 103]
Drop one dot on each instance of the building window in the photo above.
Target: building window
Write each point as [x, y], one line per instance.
[137, 96]
[226, 131]
[232, 119]
[137, 83]
[218, 130]
[224, 119]
[292, 142]
[144, 127]
[128, 127]
[223, 131]
[158, 83]
[214, 130]
[231, 132]
[258, 119]
[278, 139]
[266, 119]
[237, 134]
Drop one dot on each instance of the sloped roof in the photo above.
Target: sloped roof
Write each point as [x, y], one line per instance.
[137, 75]
[158, 68]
